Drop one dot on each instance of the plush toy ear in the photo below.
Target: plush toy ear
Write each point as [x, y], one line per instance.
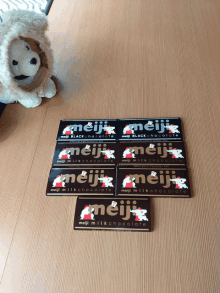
[33, 44]
[28, 17]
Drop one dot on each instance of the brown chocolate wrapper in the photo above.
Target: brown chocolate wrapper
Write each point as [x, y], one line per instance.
[88, 130]
[171, 182]
[82, 181]
[90, 154]
[152, 154]
[150, 129]
[113, 214]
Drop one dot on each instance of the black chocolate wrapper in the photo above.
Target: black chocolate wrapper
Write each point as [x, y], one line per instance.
[82, 130]
[137, 182]
[113, 214]
[68, 154]
[151, 153]
[150, 129]
[73, 181]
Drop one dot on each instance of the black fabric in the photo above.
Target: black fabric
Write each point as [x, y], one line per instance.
[47, 9]
[2, 107]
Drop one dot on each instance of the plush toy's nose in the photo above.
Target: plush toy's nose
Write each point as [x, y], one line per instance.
[33, 61]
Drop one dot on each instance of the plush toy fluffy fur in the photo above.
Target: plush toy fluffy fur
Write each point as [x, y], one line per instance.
[30, 27]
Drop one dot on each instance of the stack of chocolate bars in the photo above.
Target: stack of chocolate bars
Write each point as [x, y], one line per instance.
[115, 167]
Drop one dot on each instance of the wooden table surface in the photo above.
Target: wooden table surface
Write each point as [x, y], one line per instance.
[117, 59]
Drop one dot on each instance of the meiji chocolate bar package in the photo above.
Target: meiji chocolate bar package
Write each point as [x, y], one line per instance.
[88, 130]
[150, 129]
[68, 154]
[155, 182]
[83, 181]
[151, 153]
[113, 214]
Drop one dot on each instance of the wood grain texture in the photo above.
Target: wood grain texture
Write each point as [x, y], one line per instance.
[117, 59]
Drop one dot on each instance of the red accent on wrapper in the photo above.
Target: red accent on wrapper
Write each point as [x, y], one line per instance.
[87, 217]
[59, 184]
[129, 185]
[64, 157]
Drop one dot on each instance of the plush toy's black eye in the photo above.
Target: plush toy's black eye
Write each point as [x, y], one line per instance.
[27, 48]
[14, 62]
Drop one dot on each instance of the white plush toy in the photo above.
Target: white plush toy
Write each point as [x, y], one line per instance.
[26, 59]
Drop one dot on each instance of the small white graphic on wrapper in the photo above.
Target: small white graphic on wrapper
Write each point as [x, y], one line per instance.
[180, 183]
[151, 146]
[108, 154]
[172, 128]
[113, 204]
[58, 182]
[64, 154]
[128, 129]
[149, 122]
[128, 182]
[176, 153]
[106, 181]
[87, 147]
[89, 123]
[68, 130]
[83, 173]
[87, 213]
[140, 214]
[129, 153]
[109, 129]
[153, 174]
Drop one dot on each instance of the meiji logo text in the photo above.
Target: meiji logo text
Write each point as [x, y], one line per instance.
[97, 127]
[162, 178]
[95, 150]
[158, 125]
[157, 149]
[92, 177]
